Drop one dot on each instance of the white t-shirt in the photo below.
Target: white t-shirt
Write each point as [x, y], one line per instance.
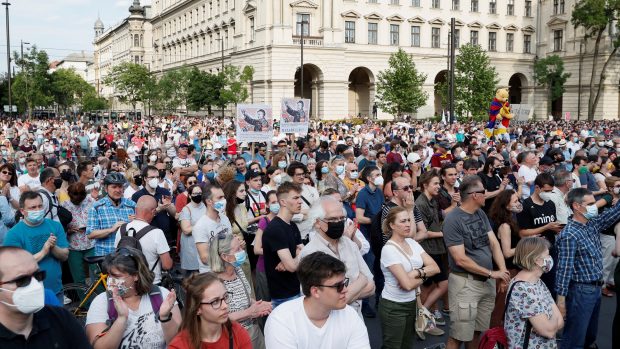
[32, 182]
[189, 254]
[391, 255]
[204, 229]
[288, 326]
[143, 330]
[183, 163]
[529, 174]
[153, 244]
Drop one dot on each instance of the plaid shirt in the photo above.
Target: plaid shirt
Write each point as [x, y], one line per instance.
[580, 254]
[103, 215]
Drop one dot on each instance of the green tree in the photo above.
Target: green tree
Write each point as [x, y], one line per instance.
[32, 86]
[174, 88]
[549, 72]
[594, 16]
[92, 102]
[68, 88]
[235, 85]
[399, 88]
[475, 82]
[204, 90]
[131, 81]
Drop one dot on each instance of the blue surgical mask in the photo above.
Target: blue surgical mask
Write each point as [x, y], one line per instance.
[354, 175]
[255, 191]
[274, 208]
[591, 212]
[36, 217]
[240, 258]
[282, 164]
[339, 169]
[324, 170]
[220, 206]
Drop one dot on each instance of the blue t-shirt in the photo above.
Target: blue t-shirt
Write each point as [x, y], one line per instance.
[32, 240]
[371, 203]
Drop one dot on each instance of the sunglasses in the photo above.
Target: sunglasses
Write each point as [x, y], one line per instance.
[477, 192]
[25, 280]
[406, 188]
[339, 286]
[5, 172]
[191, 183]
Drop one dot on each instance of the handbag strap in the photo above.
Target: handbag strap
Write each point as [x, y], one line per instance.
[528, 324]
[418, 290]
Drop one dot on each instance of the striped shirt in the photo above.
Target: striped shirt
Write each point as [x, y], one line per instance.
[103, 215]
[580, 256]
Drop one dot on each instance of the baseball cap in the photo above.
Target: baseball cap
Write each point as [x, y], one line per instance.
[252, 174]
[413, 157]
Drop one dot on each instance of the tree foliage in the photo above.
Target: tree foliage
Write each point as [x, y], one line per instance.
[594, 17]
[235, 90]
[69, 89]
[204, 90]
[475, 82]
[549, 72]
[174, 88]
[399, 88]
[131, 81]
[32, 86]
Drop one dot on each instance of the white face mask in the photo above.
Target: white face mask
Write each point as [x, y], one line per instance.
[28, 299]
[153, 158]
[277, 179]
[544, 196]
[153, 183]
[378, 181]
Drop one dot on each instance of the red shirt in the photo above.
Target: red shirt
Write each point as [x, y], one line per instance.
[437, 160]
[394, 157]
[232, 146]
[241, 340]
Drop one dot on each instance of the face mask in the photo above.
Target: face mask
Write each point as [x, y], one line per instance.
[277, 179]
[544, 196]
[335, 230]
[583, 170]
[575, 140]
[591, 212]
[532, 146]
[119, 285]
[601, 144]
[378, 181]
[516, 208]
[138, 181]
[547, 264]
[519, 147]
[282, 164]
[197, 198]
[220, 206]
[254, 191]
[239, 201]
[617, 191]
[162, 174]
[5, 153]
[463, 155]
[22, 160]
[354, 175]
[324, 170]
[240, 258]
[66, 175]
[274, 208]
[153, 158]
[153, 183]
[339, 169]
[28, 299]
[556, 146]
[36, 217]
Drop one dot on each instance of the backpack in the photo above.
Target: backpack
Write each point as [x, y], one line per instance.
[154, 296]
[496, 337]
[64, 216]
[133, 240]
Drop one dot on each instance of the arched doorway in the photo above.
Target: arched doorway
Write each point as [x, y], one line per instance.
[515, 88]
[440, 81]
[361, 89]
[313, 79]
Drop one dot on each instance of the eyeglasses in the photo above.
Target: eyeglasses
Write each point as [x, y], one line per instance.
[405, 188]
[334, 220]
[339, 286]
[191, 183]
[477, 192]
[153, 177]
[6, 172]
[300, 174]
[25, 280]
[217, 303]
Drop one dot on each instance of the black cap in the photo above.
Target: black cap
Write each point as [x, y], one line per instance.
[545, 160]
[252, 174]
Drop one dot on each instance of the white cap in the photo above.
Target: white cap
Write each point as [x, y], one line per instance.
[217, 146]
[413, 157]
[244, 145]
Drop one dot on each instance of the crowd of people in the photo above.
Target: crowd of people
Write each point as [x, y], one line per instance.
[291, 243]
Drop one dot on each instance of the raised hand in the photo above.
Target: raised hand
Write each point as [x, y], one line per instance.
[167, 305]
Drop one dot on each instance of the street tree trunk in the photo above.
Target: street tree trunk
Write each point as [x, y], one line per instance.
[601, 79]
[591, 98]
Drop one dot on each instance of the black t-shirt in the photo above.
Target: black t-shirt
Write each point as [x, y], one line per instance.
[277, 236]
[52, 327]
[535, 216]
[490, 184]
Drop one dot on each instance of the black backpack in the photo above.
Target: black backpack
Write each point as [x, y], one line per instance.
[64, 216]
[133, 240]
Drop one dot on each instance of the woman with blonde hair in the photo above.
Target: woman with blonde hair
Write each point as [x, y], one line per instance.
[235, 194]
[226, 256]
[530, 309]
[206, 323]
[135, 180]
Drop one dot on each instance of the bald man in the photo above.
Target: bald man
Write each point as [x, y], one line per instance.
[153, 241]
[24, 321]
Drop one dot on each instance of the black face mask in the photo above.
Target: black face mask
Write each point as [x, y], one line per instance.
[196, 198]
[57, 183]
[162, 174]
[240, 201]
[66, 176]
[138, 180]
[335, 229]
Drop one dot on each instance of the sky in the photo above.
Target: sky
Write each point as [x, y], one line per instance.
[59, 27]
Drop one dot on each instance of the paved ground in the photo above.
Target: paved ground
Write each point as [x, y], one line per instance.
[608, 307]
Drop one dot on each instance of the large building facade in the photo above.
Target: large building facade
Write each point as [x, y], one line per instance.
[348, 42]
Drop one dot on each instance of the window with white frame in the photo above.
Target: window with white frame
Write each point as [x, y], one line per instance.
[303, 18]
[528, 8]
[415, 36]
[510, 10]
[558, 36]
[510, 41]
[373, 31]
[394, 34]
[473, 37]
[474, 5]
[493, 7]
[415, 3]
[435, 3]
[457, 38]
[252, 29]
[435, 37]
[492, 41]
[527, 43]
[349, 32]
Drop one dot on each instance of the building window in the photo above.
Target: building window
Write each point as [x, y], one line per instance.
[415, 3]
[510, 41]
[136, 40]
[493, 7]
[415, 36]
[305, 19]
[527, 43]
[373, 29]
[394, 29]
[435, 37]
[557, 40]
[394, 2]
[252, 31]
[372, 1]
[349, 32]
[457, 38]
[562, 6]
[528, 8]
[510, 11]
[473, 37]
[435, 3]
[456, 5]
[474, 5]
[492, 41]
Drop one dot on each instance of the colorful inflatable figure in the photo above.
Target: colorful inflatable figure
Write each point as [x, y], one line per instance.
[499, 115]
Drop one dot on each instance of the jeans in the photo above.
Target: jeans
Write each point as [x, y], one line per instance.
[276, 302]
[583, 303]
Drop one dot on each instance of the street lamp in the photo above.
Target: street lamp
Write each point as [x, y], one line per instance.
[221, 39]
[22, 42]
[22, 67]
[301, 69]
[8, 55]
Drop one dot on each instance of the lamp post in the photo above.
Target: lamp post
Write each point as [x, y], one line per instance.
[581, 44]
[301, 69]
[8, 55]
[221, 39]
[22, 43]
[452, 58]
